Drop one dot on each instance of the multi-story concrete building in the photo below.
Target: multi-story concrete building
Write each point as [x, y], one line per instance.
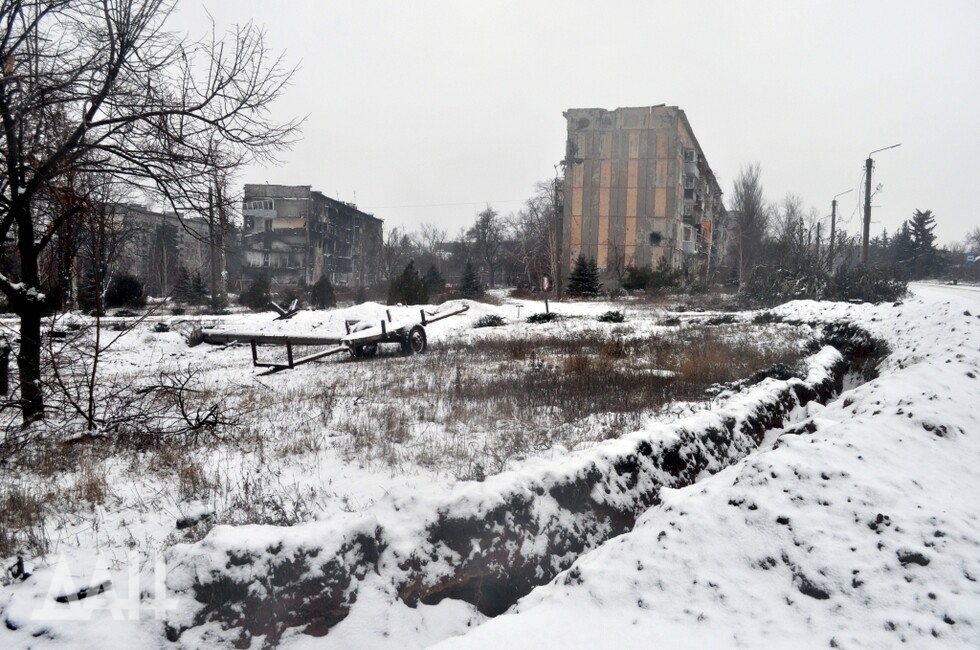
[638, 188]
[295, 235]
[155, 246]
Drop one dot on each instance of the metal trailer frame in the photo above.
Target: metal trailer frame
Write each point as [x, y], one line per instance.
[362, 340]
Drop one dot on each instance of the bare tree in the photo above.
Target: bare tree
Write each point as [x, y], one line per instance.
[102, 86]
[542, 208]
[429, 244]
[528, 231]
[431, 239]
[487, 235]
[787, 222]
[972, 241]
[103, 232]
[618, 263]
[395, 252]
[751, 218]
[793, 233]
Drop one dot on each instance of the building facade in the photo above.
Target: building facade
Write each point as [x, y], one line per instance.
[160, 247]
[638, 188]
[295, 235]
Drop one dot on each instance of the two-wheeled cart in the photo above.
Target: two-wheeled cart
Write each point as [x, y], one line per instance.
[361, 340]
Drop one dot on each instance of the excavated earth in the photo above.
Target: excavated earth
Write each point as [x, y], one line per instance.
[486, 543]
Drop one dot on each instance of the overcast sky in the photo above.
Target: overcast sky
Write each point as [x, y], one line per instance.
[426, 111]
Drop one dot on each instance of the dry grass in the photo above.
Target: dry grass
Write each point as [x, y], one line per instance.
[467, 408]
[22, 518]
[472, 406]
[54, 477]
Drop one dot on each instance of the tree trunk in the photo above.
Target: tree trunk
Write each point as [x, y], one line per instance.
[29, 365]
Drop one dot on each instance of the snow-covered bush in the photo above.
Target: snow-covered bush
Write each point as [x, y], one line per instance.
[489, 320]
[611, 316]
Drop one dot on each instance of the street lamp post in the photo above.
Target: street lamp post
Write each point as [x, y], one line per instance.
[868, 165]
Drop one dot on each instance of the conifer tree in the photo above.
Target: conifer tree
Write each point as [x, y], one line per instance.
[469, 284]
[321, 293]
[182, 288]
[434, 281]
[256, 297]
[925, 258]
[408, 288]
[584, 279]
[199, 291]
[901, 248]
[125, 291]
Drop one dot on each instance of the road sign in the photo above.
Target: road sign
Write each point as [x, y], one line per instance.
[970, 259]
[545, 282]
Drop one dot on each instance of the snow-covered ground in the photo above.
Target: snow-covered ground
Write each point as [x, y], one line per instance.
[863, 533]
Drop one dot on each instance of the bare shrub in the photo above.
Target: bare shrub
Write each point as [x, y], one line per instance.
[257, 500]
[729, 354]
[180, 464]
[614, 349]
[304, 444]
[172, 406]
[519, 348]
[22, 518]
[91, 486]
[192, 481]
[15, 439]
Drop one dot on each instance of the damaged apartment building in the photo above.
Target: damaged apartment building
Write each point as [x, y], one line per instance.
[159, 247]
[295, 235]
[638, 188]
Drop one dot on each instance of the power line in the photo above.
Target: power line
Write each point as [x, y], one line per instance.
[857, 205]
[436, 205]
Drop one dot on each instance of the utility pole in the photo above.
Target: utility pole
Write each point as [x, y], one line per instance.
[557, 233]
[833, 229]
[868, 166]
[833, 234]
[559, 205]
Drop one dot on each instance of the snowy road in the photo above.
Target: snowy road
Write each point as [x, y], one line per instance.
[946, 291]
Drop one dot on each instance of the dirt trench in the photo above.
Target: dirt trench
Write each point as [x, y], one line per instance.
[494, 552]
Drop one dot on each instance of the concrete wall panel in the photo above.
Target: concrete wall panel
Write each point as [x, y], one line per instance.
[660, 202]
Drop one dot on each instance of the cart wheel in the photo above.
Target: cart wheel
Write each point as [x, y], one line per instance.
[366, 350]
[415, 342]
